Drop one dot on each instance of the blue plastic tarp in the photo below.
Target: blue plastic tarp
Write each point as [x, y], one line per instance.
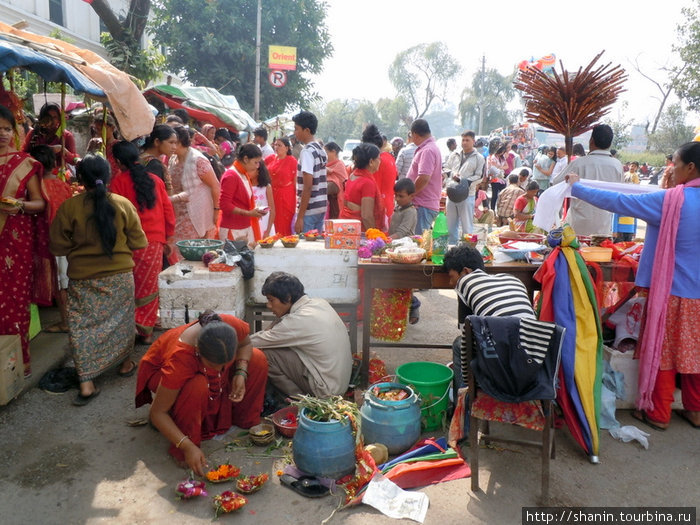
[49, 68]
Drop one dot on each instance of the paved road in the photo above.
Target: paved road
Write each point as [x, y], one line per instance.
[67, 465]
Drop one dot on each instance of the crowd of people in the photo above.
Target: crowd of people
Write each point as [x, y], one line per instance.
[98, 253]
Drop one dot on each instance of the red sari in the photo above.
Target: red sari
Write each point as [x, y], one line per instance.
[25, 261]
[283, 173]
[385, 177]
[202, 408]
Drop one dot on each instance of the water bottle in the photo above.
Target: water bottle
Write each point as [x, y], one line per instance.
[439, 238]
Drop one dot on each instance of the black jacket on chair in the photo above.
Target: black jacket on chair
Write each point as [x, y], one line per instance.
[516, 359]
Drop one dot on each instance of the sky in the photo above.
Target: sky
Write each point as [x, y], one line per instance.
[368, 34]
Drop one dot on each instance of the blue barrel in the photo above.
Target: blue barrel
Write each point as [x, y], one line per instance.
[395, 424]
[324, 448]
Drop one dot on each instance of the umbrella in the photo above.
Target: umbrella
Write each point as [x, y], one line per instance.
[48, 68]
[568, 299]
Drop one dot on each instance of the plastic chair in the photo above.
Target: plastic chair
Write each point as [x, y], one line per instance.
[479, 428]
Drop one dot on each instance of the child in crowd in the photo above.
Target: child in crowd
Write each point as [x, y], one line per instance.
[403, 224]
[56, 191]
[405, 216]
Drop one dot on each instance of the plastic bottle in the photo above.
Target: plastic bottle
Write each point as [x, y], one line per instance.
[439, 238]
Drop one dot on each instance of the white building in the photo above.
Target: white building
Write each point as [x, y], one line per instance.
[75, 19]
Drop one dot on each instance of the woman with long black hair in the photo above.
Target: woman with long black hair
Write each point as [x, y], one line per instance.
[147, 193]
[157, 149]
[98, 232]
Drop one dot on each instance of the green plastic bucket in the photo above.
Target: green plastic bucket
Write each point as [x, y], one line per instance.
[432, 381]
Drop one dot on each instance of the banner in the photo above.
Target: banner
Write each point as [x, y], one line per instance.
[282, 57]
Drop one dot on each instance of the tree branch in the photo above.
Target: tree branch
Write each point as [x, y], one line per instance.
[114, 26]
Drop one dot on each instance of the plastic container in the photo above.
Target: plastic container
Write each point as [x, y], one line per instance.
[285, 420]
[439, 238]
[395, 424]
[324, 448]
[432, 382]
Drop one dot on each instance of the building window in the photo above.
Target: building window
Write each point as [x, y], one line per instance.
[56, 11]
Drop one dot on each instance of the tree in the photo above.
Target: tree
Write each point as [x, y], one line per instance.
[123, 39]
[497, 92]
[621, 128]
[672, 132]
[687, 85]
[394, 115]
[422, 74]
[212, 43]
[340, 120]
[665, 88]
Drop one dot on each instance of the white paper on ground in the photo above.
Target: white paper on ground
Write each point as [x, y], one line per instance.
[391, 500]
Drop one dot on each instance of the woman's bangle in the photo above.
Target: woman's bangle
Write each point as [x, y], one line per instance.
[241, 372]
[183, 438]
[240, 362]
[217, 209]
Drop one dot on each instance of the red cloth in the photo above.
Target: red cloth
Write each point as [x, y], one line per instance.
[235, 194]
[25, 269]
[148, 262]
[664, 388]
[199, 411]
[362, 184]
[57, 191]
[385, 177]
[158, 223]
[336, 173]
[283, 173]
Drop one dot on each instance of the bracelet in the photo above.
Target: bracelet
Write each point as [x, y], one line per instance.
[183, 438]
[240, 361]
[241, 372]
[217, 209]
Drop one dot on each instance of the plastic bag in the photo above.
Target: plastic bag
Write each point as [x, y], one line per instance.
[629, 433]
[246, 262]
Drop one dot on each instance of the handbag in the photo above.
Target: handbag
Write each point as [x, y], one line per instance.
[458, 191]
[247, 261]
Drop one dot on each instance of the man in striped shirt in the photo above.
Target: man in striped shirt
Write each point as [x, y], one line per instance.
[482, 294]
[311, 175]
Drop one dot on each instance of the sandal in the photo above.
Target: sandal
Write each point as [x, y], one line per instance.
[57, 328]
[307, 486]
[129, 372]
[414, 315]
[640, 415]
[81, 400]
[683, 414]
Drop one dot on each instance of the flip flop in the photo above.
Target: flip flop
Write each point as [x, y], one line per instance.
[307, 486]
[414, 315]
[129, 372]
[56, 329]
[683, 414]
[656, 425]
[81, 400]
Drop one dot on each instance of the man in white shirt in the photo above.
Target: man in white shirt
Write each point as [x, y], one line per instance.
[599, 164]
[561, 164]
[260, 138]
[307, 346]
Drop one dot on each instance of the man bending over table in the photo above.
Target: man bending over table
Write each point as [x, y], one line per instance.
[307, 346]
[481, 294]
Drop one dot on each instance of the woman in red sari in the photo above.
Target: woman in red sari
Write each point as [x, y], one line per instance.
[46, 133]
[20, 236]
[362, 198]
[283, 172]
[386, 173]
[147, 193]
[206, 377]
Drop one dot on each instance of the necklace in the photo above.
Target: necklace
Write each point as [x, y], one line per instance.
[216, 394]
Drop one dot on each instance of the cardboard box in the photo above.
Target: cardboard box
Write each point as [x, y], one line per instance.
[11, 368]
[338, 241]
[624, 363]
[343, 226]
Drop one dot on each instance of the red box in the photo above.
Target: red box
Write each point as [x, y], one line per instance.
[342, 242]
[343, 226]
